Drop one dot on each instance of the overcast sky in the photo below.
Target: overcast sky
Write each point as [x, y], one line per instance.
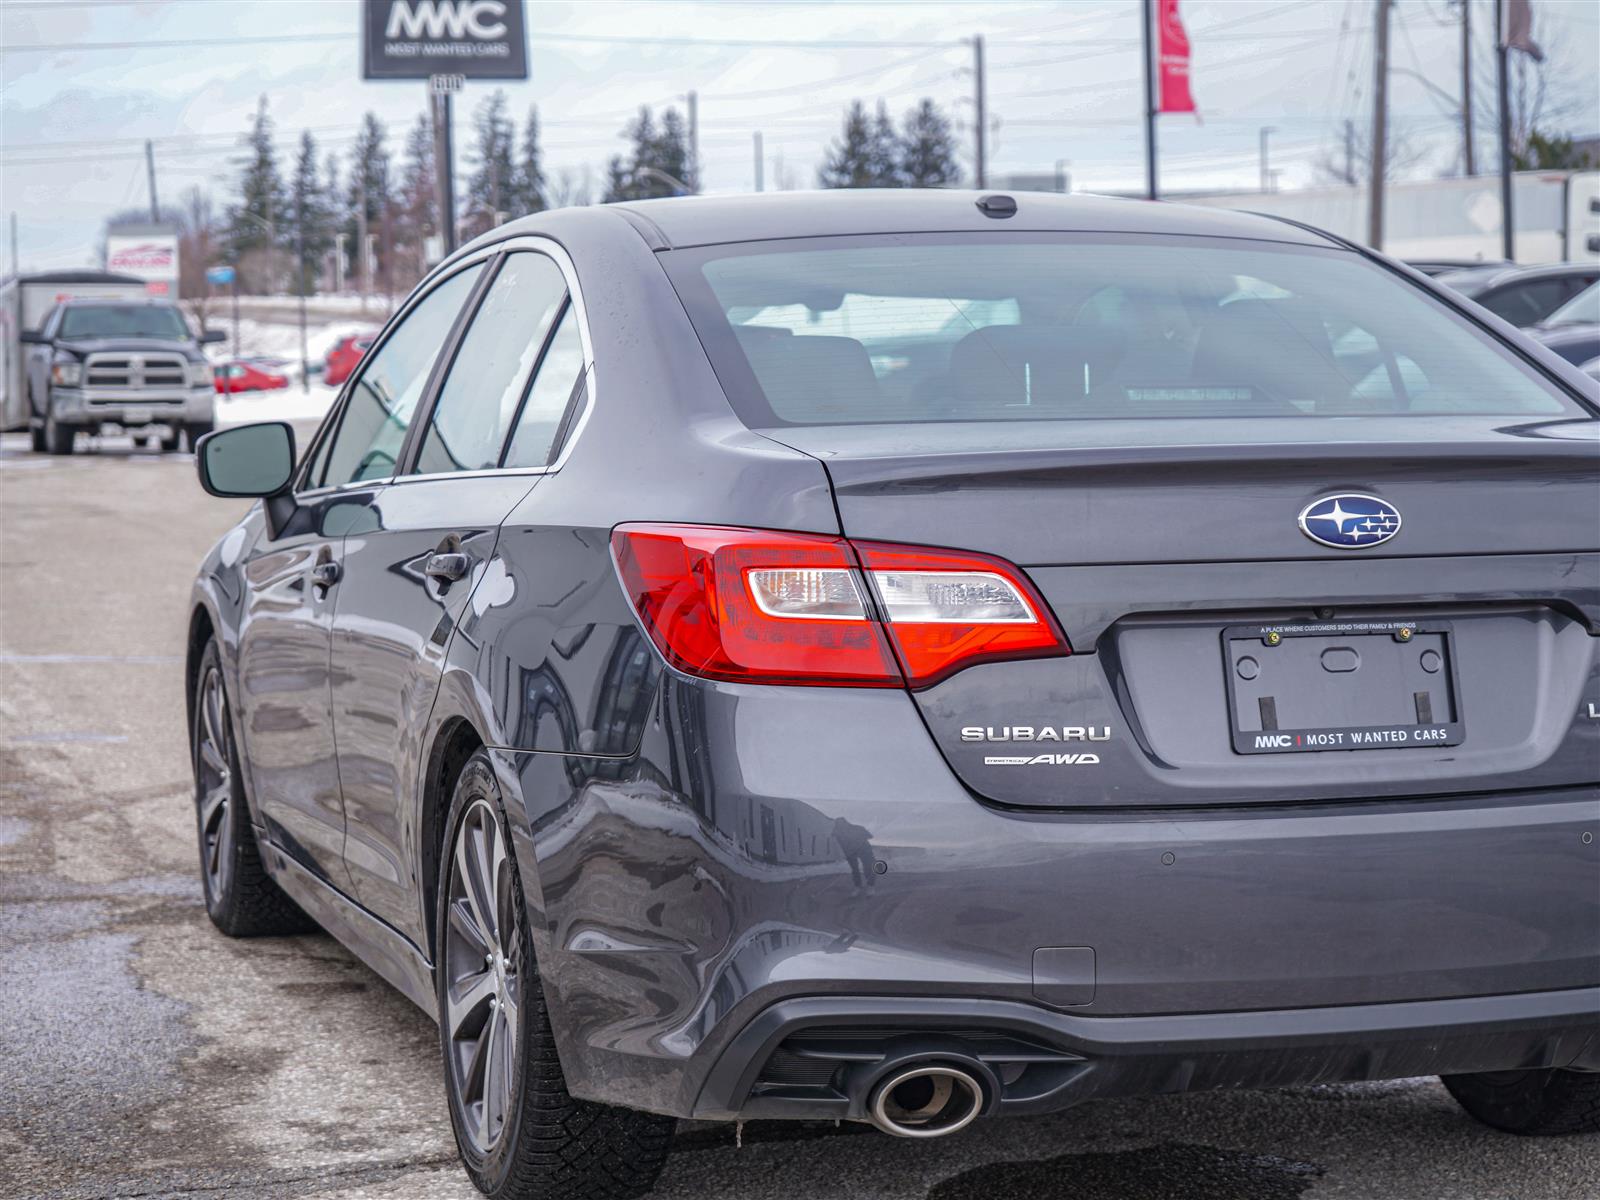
[1063, 83]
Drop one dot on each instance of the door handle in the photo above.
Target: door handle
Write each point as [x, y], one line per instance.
[325, 574]
[447, 568]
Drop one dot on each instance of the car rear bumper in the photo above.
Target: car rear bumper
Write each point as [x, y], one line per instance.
[773, 846]
[774, 1067]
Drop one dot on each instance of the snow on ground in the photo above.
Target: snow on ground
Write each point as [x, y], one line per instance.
[273, 331]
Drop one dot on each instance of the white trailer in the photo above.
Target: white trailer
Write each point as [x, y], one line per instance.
[1557, 215]
[24, 301]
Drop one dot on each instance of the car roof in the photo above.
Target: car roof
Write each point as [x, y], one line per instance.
[1481, 279]
[684, 221]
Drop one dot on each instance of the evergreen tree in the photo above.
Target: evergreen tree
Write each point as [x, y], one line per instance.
[927, 151]
[849, 162]
[417, 217]
[492, 186]
[254, 222]
[310, 221]
[664, 150]
[670, 153]
[883, 152]
[530, 182]
[368, 187]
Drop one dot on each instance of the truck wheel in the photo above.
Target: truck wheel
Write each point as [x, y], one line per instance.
[196, 430]
[1537, 1103]
[36, 438]
[169, 443]
[519, 1130]
[241, 898]
[57, 437]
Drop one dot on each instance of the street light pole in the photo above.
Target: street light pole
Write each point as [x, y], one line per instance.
[1266, 173]
[1063, 180]
[1380, 127]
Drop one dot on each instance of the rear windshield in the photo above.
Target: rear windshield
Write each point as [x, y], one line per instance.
[936, 328]
[125, 320]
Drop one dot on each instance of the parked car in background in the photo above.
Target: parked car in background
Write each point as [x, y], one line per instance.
[714, 682]
[342, 358]
[1573, 330]
[243, 375]
[1442, 266]
[133, 365]
[1523, 295]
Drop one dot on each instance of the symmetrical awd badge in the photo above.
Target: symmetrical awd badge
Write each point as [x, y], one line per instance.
[1350, 521]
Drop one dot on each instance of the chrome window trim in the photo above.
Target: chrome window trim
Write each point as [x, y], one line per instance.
[538, 244]
[331, 421]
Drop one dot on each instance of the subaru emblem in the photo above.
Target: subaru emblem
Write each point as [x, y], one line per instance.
[1350, 521]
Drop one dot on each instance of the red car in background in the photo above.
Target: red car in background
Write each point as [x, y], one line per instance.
[343, 357]
[240, 376]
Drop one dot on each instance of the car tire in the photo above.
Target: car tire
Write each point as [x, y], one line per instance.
[241, 898]
[195, 430]
[1538, 1103]
[520, 1132]
[57, 438]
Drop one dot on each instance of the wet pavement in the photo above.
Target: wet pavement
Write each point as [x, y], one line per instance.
[144, 1054]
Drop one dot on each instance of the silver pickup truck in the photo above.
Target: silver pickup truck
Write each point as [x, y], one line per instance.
[134, 365]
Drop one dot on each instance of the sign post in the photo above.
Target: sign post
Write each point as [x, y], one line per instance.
[221, 277]
[445, 42]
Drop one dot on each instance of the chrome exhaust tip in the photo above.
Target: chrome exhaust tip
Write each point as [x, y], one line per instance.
[926, 1101]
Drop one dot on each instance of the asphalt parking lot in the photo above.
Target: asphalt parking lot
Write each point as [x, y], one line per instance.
[143, 1053]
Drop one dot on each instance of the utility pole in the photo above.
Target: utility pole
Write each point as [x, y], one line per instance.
[15, 268]
[1151, 188]
[1266, 174]
[300, 277]
[980, 103]
[361, 231]
[1470, 168]
[1380, 127]
[150, 167]
[1502, 66]
[693, 173]
[760, 158]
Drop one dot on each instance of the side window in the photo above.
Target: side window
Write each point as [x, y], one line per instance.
[1527, 303]
[540, 420]
[384, 397]
[479, 398]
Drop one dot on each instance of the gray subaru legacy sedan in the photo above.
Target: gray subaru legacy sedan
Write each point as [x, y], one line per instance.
[917, 658]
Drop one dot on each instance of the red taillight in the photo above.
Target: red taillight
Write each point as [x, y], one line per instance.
[949, 609]
[764, 607]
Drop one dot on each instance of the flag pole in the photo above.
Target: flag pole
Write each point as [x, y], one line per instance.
[1150, 186]
[1502, 55]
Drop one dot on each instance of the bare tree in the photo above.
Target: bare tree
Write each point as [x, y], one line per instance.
[571, 189]
[1350, 162]
[198, 248]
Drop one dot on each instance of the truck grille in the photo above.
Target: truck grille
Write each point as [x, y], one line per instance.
[136, 371]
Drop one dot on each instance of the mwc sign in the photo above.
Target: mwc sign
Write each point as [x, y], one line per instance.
[413, 39]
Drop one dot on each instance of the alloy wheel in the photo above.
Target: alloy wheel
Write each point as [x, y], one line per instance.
[483, 964]
[214, 753]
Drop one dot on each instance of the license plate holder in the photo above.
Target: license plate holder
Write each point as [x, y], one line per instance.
[1341, 685]
[136, 416]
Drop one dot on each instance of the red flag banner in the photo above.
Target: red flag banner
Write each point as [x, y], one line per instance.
[1173, 56]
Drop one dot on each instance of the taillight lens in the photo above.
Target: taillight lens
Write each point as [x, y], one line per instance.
[949, 609]
[764, 607]
[752, 606]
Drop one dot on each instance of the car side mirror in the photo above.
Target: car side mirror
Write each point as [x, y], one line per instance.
[251, 461]
[33, 337]
[212, 336]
